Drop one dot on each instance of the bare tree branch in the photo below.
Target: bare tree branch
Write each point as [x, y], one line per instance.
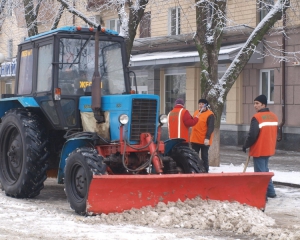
[77, 13]
[58, 17]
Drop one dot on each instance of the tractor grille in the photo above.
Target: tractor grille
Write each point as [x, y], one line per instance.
[143, 118]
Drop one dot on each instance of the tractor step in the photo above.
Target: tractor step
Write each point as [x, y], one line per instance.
[111, 193]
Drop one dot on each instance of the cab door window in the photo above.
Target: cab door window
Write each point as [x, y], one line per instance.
[25, 74]
[44, 74]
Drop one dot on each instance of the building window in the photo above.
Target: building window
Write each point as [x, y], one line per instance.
[113, 24]
[265, 7]
[8, 88]
[145, 25]
[174, 21]
[10, 48]
[9, 8]
[175, 86]
[267, 84]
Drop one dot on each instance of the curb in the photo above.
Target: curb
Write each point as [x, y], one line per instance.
[287, 184]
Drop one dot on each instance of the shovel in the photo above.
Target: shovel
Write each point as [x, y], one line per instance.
[246, 165]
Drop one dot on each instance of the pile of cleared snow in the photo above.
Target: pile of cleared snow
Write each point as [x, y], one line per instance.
[201, 214]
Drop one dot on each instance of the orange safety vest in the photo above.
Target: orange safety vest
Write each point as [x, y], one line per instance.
[266, 142]
[176, 126]
[199, 130]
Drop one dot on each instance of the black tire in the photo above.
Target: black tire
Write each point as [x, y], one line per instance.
[80, 167]
[187, 160]
[23, 154]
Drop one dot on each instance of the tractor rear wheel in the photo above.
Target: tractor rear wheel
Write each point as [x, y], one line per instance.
[80, 167]
[23, 154]
[187, 160]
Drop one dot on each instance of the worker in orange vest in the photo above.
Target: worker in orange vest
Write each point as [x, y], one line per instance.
[262, 138]
[202, 133]
[180, 120]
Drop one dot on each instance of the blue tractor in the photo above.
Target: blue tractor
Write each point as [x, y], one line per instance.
[74, 114]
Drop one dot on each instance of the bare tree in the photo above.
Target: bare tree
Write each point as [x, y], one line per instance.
[31, 12]
[210, 17]
[130, 14]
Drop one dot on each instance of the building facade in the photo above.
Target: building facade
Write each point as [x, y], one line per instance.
[166, 62]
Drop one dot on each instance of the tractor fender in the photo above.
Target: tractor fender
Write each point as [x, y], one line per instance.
[69, 146]
[171, 143]
[16, 102]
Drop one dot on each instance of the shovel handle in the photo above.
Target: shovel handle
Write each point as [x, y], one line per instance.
[246, 165]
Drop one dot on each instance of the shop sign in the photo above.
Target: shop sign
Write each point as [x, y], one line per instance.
[8, 69]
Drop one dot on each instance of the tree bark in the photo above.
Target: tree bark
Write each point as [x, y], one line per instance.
[135, 17]
[30, 17]
[214, 150]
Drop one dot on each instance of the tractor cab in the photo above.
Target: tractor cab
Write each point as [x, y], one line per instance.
[56, 68]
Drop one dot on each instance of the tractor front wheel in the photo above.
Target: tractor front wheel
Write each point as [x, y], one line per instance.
[187, 160]
[80, 167]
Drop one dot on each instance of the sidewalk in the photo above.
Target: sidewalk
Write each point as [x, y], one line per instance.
[284, 164]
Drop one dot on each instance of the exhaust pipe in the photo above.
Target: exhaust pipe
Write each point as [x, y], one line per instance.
[96, 83]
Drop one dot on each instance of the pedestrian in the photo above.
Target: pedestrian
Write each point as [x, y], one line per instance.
[202, 132]
[180, 120]
[262, 138]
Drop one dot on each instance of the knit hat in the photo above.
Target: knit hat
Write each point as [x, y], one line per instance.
[179, 101]
[261, 98]
[202, 100]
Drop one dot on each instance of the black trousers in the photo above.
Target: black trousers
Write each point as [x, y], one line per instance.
[204, 153]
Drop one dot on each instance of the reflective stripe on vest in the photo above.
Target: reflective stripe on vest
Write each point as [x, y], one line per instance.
[179, 124]
[267, 124]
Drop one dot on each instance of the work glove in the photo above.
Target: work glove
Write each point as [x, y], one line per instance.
[206, 142]
[244, 149]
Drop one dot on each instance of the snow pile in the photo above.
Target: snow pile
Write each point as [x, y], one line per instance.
[200, 214]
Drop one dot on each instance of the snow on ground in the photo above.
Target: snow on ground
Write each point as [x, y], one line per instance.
[48, 216]
[279, 176]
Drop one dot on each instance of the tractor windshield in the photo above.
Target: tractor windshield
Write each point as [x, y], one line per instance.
[77, 63]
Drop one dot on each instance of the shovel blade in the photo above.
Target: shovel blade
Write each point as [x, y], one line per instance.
[116, 193]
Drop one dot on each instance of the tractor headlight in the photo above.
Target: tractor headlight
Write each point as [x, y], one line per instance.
[123, 119]
[163, 119]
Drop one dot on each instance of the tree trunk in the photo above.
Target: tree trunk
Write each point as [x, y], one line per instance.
[30, 18]
[214, 150]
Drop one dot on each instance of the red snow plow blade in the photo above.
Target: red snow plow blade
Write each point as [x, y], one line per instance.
[111, 193]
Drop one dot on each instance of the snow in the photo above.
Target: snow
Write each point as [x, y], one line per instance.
[48, 216]
[179, 54]
[280, 177]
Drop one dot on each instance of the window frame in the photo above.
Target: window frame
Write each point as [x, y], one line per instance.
[10, 48]
[116, 20]
[177, 19]
[269, 84]
[264, 8]
[145, 25]
[165, 89]
[7, 84]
